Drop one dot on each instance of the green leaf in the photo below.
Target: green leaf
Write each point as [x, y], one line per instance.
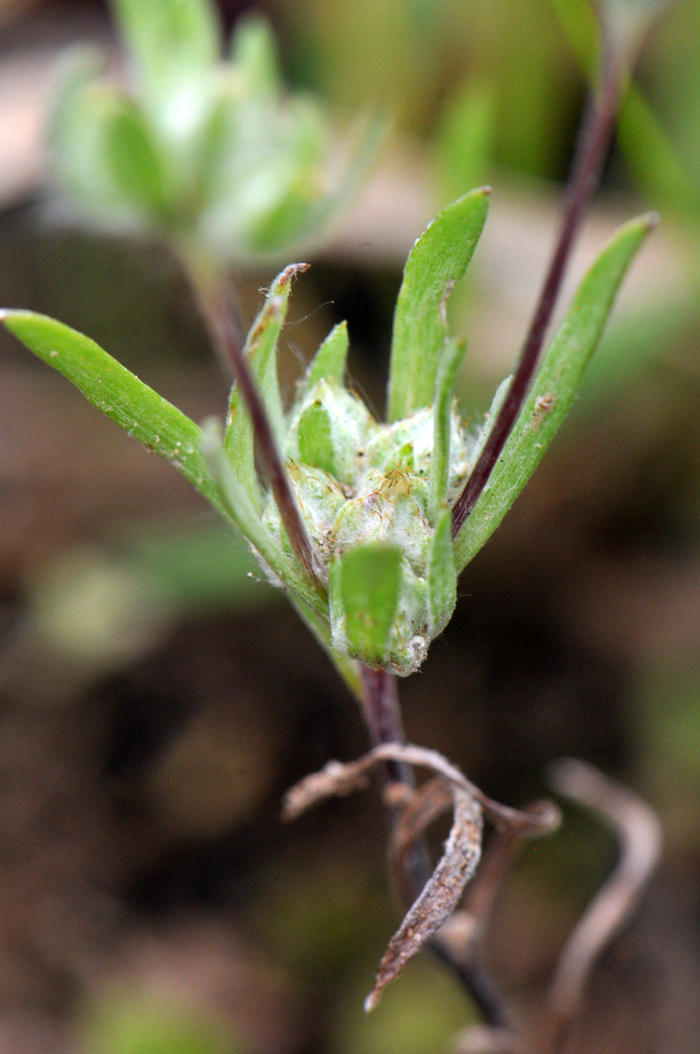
[133, 160]
[202, 567]
[172, 44]
[442, 575]
[554, 387]
[240, 509]
[578, 21]
[438, 259]
[448, 370]
[120, 395]
[651, 155]
[367, 580]
[254, 54]
[101, 156]
[261, 352]
[315, 439]
[464, 138]
[329, 361]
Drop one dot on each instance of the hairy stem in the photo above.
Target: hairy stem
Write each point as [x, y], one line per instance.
[594, 142]
[222, 322]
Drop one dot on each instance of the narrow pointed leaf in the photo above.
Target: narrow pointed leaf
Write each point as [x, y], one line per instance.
[329, 361]
[499, 397]
[448, 370]
[438, 259]
[442, 575]
[241, 510]
[120, 395]
[315, 439]
[261, 351]
[554, 387]
[368, 580]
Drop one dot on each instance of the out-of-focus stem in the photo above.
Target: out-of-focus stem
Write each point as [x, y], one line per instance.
[638, 832]
[594, 142]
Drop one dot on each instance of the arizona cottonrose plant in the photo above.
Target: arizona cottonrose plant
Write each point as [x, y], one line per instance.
[376, 499]
[365, 524]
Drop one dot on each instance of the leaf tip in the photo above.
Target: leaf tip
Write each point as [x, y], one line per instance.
[651, 220]
[372, 1000]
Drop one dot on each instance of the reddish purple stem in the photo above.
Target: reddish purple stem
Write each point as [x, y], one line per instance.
[225, 332]
[594, 142]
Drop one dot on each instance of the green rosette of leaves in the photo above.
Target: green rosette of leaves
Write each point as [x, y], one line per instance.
[204, 149]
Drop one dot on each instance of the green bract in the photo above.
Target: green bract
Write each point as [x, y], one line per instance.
[206, 151]
[375, 498]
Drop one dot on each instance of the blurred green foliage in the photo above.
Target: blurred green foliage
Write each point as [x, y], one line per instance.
[209, 152]
[135, 1024]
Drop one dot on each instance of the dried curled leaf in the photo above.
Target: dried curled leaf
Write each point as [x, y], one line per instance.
[441, 893]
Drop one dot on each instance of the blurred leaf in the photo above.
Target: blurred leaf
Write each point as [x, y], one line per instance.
[172, 45]
[360, 154]
[200, 567]
[329, 361]
[450, 362]
[442, 575]
[651, 155]
[633, 341]
[421, 1015]
[653, 159]
[133, 159]
[261, 353]
[134, 1024]
[439, 257]
[93, 133]
[578, 21]
[367, 581]
[254, 54]
[465, 139]
[121, 396]
[554, 388]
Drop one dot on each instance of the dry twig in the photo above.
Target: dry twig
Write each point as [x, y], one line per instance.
[638, 832]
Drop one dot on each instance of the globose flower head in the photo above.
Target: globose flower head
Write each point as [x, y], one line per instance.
[375, 498]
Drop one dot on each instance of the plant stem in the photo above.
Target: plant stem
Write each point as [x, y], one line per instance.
[381, 710]
[592, 149]
[222, 322]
